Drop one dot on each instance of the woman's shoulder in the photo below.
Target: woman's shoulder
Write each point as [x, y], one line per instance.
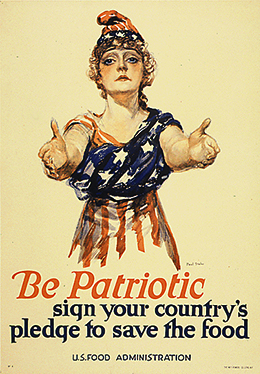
[86, 121]
[162, 119]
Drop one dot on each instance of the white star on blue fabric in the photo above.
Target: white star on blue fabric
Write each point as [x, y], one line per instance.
[120, 34]
[147, 147]
[108, 36]
[120, 156]
[126, 177]
[105, 175]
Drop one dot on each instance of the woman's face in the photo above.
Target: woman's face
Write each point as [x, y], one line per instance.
[121, 71]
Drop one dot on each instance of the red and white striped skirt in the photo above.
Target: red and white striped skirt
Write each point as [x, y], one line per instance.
[101, 220]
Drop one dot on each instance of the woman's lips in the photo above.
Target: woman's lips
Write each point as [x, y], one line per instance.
[123, 78]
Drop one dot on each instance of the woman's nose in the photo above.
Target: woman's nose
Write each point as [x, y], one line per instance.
[122, 66]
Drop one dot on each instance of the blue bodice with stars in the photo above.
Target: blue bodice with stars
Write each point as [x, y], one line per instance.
[117, 172]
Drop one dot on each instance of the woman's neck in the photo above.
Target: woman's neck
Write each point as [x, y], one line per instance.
[122, 119]
[126, 107]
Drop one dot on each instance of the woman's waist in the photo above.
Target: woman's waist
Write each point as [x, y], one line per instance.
[131, 202]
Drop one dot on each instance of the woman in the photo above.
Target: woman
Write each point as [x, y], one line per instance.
[116, 161]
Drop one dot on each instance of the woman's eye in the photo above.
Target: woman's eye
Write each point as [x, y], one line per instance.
[108, 61]
[132, 60]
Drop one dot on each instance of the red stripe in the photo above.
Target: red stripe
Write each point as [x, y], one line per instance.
[137, 225]
[86, 124]
[99, 137]
[120, 235]
[111, 138]
[94, 125]
[104, 241]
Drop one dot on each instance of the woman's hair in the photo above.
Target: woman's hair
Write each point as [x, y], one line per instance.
[149, 64]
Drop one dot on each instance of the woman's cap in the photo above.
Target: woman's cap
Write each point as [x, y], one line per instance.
[116, 26]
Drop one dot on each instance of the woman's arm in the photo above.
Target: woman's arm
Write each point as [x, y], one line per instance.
[183, 153]
[62, 154]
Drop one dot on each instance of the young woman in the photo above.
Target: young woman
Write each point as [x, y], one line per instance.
[116, 161]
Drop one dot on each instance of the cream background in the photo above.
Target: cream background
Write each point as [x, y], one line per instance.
[208, 66]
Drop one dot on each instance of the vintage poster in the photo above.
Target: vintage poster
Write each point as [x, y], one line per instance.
[149, 311]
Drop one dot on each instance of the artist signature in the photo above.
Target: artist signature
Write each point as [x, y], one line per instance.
[195, 263]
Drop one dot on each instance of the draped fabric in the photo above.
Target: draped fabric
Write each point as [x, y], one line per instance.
[118, 183]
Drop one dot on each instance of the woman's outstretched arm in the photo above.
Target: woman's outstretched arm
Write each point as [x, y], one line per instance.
[183, 153]
[62, 154]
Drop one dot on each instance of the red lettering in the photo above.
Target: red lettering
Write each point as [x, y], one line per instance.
[45, 289]
[151, 293]
[103, 294]
[131, 282]
[173, 283]
[76, 285]
[143, 287]
[192, 288]
[120, 280]
[184, 287]
[34, 285]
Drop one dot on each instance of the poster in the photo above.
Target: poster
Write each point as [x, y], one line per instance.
[207, 54]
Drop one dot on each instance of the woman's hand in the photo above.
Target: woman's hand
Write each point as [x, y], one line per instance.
[182, 153]
[203, 149]
[54, 153]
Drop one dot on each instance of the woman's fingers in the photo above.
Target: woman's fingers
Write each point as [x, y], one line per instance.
[47, 158]
[205, 124]
[49, 167]
[213, 144]
[204, 164]
[51, 173]
[45, 148]
[212, 147]
[55, 129]
[56, 134]
[200, 131]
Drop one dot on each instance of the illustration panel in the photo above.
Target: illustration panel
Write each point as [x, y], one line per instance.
[150, 264]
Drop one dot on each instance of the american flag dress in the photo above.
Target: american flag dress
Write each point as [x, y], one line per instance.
[119, 183]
